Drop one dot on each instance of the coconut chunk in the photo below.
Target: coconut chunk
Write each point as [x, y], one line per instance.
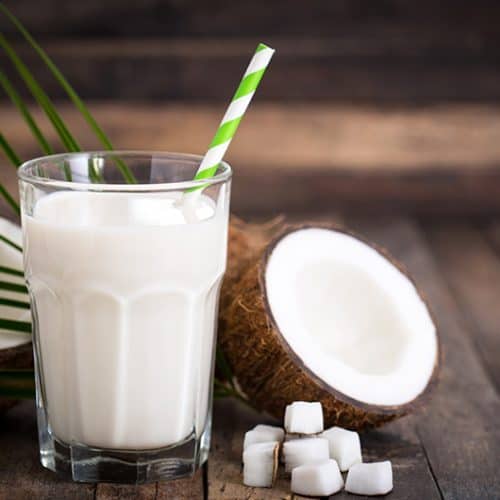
[305, 451]
[263, 434]
[345, 447]
[370, 479]
[322, 479]
[277, 431]
[260, 464]
[291, 436]
[302, 417]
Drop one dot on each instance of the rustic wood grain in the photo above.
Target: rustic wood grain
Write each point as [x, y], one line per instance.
[125, 492]
[298, 136]
[231, 421]
[157, 69]
[181, 489]
[173, 18]
[472, 268]
[492, 232]
[397, 51]
[317, 157]
[21, 475]
[459, 432]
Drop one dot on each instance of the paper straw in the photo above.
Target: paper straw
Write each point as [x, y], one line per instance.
[239, 104]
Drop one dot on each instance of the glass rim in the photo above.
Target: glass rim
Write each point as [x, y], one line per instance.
[24, 173]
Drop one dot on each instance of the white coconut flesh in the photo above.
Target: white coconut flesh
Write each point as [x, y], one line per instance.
[351, 316]
[10, 257]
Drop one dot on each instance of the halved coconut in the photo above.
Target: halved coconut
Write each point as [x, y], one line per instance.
[246, 240]
[324, 316]
[15, 348]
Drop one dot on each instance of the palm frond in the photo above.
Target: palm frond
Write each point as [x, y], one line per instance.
[223, 365]
[70, 91]
[23, 109]
[10, 243]
[10, 200]
[14, 303]
[15, 160]
[12, 271]
[41, 97]
[15, 326]
[13, 287]
[17, 384]
[9, 151]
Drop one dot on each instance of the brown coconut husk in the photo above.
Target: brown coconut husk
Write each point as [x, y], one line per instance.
[270, 373]
[20, 358]
[246, 241]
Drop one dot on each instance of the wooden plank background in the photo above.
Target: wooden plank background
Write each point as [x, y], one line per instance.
[390, 51]
[389, 106]
[308, 158]
[384, 106]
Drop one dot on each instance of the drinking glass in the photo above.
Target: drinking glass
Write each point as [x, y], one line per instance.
[124, 255]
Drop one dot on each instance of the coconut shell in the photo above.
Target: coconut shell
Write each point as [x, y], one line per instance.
[19, 357]
[271, 374]
[245, 242]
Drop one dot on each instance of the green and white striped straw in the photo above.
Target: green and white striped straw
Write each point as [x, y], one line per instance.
[239, 104]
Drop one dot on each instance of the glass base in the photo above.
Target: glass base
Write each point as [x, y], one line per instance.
[88, 464]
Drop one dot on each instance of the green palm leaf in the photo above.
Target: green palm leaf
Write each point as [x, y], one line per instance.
[14, 159]
[14, 303]
[70, 91]
[13, 287]
[12, 271]
[9, 151]
[23, 109]
[10, 200]
[14, 325]
[18, 384]
[41, 97]
[10, 243]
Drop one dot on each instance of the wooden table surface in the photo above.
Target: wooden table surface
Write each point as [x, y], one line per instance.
[449, 450]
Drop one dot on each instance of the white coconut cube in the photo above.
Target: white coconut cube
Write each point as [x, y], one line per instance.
[322, 479]
[345, 447]
[278, 432]
[370, 479]
[304, 451]
[292, 437]
[304, 418]
[260, 464]
[263, 434]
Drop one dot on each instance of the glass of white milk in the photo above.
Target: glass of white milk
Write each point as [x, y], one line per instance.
[124, 279]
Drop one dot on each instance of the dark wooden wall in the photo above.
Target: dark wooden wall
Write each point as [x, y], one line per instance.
[382, 52]
[370, 105]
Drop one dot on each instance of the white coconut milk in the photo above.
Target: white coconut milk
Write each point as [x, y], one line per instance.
[126, 293]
